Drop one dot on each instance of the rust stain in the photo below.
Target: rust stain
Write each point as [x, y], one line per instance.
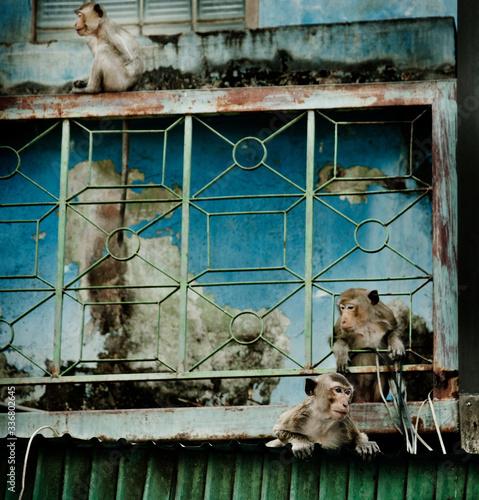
[308, 370]
[241, 98]
[446, 385]
[234, 408]
[420, 423]
[233, 436]
[181, 436]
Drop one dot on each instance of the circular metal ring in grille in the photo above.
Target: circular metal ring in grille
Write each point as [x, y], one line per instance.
[246, 327]
[371, 232]
[7, 162]
[120, 248]
[3, 347]
[249, 153]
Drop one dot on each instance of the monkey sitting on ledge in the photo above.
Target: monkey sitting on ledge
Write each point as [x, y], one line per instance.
[117, 64]
[323, 417]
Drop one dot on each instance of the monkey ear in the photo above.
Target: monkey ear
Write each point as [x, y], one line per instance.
[310, 386]
[97, 9]
[373, 297]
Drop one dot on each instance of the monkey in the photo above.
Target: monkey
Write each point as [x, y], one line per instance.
[365, 322]
[117, 64]
[323, 417]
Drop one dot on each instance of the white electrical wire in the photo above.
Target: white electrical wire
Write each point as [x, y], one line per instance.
[417, 424]
[28, 452]
[411, 447]
[384, 399]
[435, 423]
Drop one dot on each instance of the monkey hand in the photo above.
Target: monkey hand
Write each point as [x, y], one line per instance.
[342, 363]
[367, 450]
[302, 449]
[77, 86]
[341, 353]
[396, 349]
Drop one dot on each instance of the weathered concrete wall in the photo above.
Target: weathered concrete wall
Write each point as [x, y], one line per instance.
[339, 53]
[15, 21]
[285, 12]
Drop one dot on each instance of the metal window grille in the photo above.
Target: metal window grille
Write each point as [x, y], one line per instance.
[202, 202]
[151, 16]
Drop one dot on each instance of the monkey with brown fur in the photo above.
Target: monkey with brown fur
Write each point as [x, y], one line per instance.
[323, 417]
[365, 322]
[117, 64]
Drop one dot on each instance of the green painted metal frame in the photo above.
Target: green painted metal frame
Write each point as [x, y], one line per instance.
[440, 96]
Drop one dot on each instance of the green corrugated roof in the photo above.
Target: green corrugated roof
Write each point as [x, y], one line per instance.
[72, 469]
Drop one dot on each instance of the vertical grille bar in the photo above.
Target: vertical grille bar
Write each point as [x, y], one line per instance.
[62, 218]
[185, 227]
[308, 267]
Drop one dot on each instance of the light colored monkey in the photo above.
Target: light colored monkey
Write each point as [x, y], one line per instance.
[323, 417]
[117, 64]
[365, 322]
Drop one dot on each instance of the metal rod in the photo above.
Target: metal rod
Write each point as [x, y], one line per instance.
[197, 375]
[185, 228]
[125, 160]
[62, 220]
[308, 271]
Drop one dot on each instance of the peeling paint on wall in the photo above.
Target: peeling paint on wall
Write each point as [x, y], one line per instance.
[355, 186]
[129, 330]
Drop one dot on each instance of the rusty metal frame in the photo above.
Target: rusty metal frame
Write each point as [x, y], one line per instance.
[440, 96]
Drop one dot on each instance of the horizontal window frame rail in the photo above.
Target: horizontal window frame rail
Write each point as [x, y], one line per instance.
[439, 95]
[247, 99]
[196, 375]
[213, 423]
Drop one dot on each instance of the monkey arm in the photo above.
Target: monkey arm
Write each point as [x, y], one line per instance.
[341, 353]
[396, 348]
[94, 81]
[359, 441]
[363, 447]
[302, 447]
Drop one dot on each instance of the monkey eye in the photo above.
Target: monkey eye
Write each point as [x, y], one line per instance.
[347, 392]
[339, 390]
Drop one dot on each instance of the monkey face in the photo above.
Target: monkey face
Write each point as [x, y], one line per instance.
[339, 397]
[355, 307]
[87, 21]
[351, 319]
[332, 394]
[80, 24]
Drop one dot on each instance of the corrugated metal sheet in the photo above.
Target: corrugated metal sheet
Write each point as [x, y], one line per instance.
[68, 469]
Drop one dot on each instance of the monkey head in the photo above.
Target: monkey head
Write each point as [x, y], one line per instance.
[332, 393]
[89, 18]
[356, 308]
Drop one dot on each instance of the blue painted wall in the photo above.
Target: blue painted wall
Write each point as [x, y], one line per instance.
[285, 12]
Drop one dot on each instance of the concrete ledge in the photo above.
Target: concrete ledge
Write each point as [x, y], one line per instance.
[212, 423]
